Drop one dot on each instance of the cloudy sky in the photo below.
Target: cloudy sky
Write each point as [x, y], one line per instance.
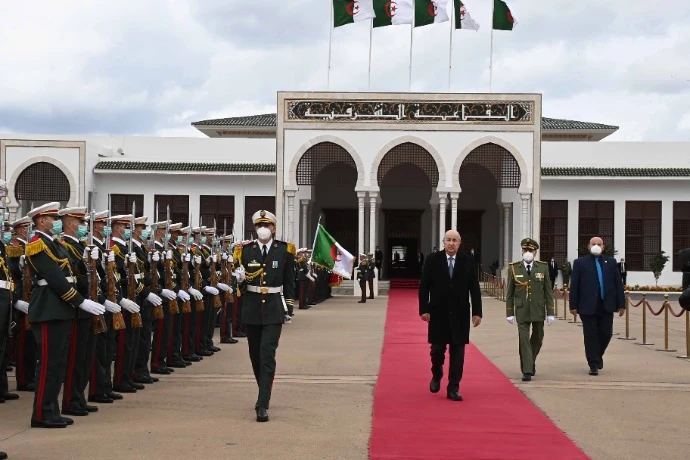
[151, 67]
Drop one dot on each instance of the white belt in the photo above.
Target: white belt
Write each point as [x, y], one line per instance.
[265, 290]
[137, 276]
[70, 279]
[6, 285]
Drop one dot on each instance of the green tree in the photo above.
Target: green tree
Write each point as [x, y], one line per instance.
[657, 264]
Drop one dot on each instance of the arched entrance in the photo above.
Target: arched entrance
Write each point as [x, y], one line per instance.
[489, 176]
[406, 177]
[331, 173]
[41, 183]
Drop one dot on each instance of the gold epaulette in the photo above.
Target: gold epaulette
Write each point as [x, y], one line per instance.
[291, 249]
[237, 253]
[35, 247]
[117, 251]
[14, 251]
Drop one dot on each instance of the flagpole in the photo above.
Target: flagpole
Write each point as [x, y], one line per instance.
[330, 45]
[491, 51]
[450, 48]
[371, 37]
[313, 244]
[409, 84]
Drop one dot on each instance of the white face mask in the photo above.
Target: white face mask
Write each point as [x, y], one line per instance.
[528, 257]
[263, 233]
[595, 250]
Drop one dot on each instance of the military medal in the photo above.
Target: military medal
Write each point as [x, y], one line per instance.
[275, 264]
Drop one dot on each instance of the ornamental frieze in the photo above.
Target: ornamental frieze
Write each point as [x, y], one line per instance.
[504, 112]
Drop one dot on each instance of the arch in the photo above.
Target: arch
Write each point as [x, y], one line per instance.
[524, 188]
[292, 176]
[11, 186]
[440, 166]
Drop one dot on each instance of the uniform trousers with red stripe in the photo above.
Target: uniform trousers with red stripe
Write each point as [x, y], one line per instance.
[101, 383]
[189, 323]
[175, 340]
[141, 360]
[161, 337]
[25, 353]
[226, 318]
[52, 340]
[82, 349]
[125, 356]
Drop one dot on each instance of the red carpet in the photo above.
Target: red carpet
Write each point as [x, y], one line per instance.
[495, 420]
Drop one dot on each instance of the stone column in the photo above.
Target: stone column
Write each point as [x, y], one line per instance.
[506, 233]
[525, 215]
[373, 198]
[291, 216]
[434, 221]
[442, 200]
[360, 228]
[454, 211]
[305, 223]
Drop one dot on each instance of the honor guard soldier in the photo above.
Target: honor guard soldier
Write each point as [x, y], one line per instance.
[266, 274]
[175, 342]
[83, 342]
[363, 276]
[6, 288]
[191, 334]
[226, 317]
[188, 275]
[302, 278]
[210, 267]
[529, 300]
[161, 333]
[51, 312]
[372, 274]
[21, 274]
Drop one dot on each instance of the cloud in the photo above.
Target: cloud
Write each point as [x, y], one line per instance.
[153, 67]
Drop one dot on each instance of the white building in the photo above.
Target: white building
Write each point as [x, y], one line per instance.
[387, 170]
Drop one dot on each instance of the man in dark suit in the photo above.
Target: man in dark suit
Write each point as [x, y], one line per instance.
[378, 257]
[553, 271]
[623, 270]
[596, 291]
[448, 281]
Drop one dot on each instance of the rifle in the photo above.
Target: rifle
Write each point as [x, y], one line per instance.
[118, 319]
[98, 322]
[214, 276]
[172, 305]
[137, 321]
[157, 309]
[197, 281]
[186, 305]
[225, 270]
[26, 281]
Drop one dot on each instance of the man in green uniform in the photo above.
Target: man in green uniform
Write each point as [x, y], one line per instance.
[529, 299]
[51, 312]
[363, 276]
[266, 273]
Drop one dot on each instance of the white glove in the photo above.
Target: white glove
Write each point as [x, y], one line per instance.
[183, 295]
[224, 287]
[196, 294]
[315, 275]
[154, 299]
[511, 319]
[215, 258]
[130, 306]
[187, 257]
[133, 258]
[225, 256]
[197, 260]
[310, 277]
[95, 254]
[168, 255]
[85, 255]
[22, 306]
[211, 290]
[168, 294]
[156, 257]
[550, 320]
[22, 261]
[92, 307]
[239, 274]
[112, 307]
[111, 256]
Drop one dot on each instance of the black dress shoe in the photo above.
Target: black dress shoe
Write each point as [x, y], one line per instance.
[454, 396]
[3, 455]
[261, 414]
[240, 334]
[137, 386]
[434, 385]
[204, 353]
[30, 387]
[170, 369]
[162, 371]
[534, 370]
[123, 389]
[10, 396]
[600, 366]
[90, 408]
[178, 364]
[154, 379]
[228, 340]
[256, 406]
[59, 423]
[526, 377]
[103, 399]
[192, 359]
[78, 412]
[67, 420]
[593, 370]
[115, 396]
[214, 349]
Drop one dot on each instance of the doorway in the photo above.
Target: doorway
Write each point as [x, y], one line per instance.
[403, 234]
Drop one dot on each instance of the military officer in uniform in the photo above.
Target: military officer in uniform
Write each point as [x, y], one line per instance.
[372, 274]
[266, 273]
[52, 308]
[529, 300]
[363, 276]
[6, 288]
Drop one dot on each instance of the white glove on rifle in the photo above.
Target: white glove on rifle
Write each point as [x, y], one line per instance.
[225, 256]
[197, 260]
[550, 320]
[112, 307]
[133, 258]
[183, 295]
[92, 307]
[22, 306]
[211, 290]
[156, 256]
[86, 253]
[111, 256]
[239, 274]
[196, 294]
[154, 299]
[187, 257]
[22, 261]
[511, 319]
[95, 255]
[168, 255]
[224, 287]
[311, 278]
[130, 306]
[168, 294]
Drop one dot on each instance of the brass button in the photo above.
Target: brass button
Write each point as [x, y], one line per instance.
[264, 282]
[263, 301]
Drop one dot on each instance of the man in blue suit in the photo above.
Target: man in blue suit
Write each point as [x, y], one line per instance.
[596, 292]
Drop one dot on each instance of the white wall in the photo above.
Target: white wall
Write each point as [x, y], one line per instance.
[618, 154]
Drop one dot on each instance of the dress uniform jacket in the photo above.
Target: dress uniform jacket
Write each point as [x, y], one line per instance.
[75, 251]
[529, 298]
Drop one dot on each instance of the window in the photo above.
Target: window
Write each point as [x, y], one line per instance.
[179, 208]
[122, 205]
[595, 219]
[642, 233]
[39, 184]
[681, 230]
[218, 208]
[253, 204]
[554, 230]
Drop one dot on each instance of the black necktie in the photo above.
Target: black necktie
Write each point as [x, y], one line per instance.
[529, 269]
[263, 252]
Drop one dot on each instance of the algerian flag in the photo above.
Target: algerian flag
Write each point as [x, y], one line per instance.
[503, 18]
[328, 253]
[430, 12]
[351, 11]
[390, 12]
[463, 20]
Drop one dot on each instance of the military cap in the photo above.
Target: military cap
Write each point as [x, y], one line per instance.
[79, 213]
[140, 220]
[23, 222]
[176, 227]
[264, 217]
[198, 230]
[210, 231]
[101, 216]
[529, 243]
[48, 209]
[161, 224]
[122, 219]
[229, 238]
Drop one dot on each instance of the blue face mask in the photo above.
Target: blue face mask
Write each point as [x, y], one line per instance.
[57, 227]
[31, 235]
[128, 234]
[6, 237]
[166, 237]
[107, 231]
[203, 240]
[82, 230]
[179, 239]
[145, 234]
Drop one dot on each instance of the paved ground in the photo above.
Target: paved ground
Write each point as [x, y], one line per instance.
[327, 365]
